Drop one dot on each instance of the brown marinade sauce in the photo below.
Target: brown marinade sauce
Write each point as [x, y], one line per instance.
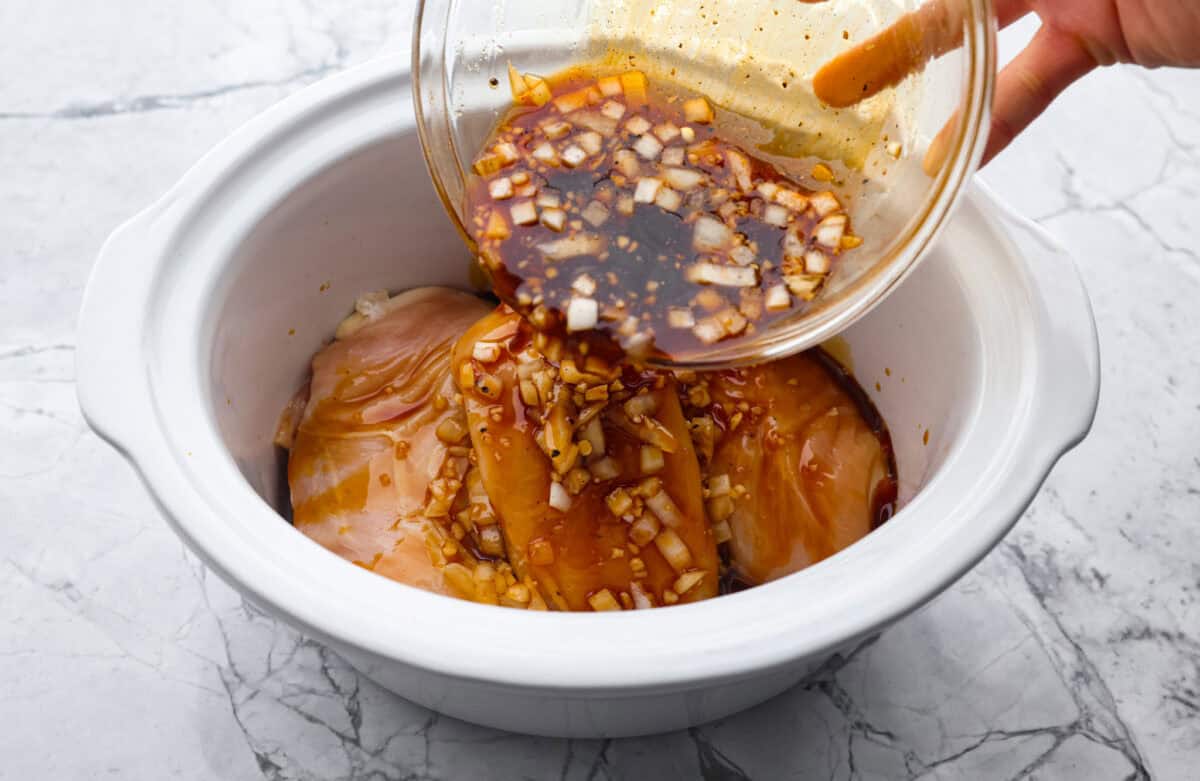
[557, 208]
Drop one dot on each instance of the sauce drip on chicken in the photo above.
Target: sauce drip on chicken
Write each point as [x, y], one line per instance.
[459, 451]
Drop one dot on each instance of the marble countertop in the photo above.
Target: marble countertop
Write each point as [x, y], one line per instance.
[1072, 651]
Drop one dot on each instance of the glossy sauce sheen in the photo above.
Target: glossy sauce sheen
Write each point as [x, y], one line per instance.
[366, 449]
[813, 456]
[643, 267]
[589, 543]
[805, 458]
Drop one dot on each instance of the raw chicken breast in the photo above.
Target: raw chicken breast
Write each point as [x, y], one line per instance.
[798, 473]
[366, 457]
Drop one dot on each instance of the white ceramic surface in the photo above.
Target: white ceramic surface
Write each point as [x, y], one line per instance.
[186, 355]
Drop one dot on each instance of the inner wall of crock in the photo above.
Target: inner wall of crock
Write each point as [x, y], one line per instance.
[368, 222]
[372, 221]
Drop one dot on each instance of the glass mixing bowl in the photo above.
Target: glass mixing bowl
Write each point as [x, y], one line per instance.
[756, 61]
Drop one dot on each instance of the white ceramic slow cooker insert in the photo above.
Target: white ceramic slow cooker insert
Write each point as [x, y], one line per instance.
[187, 355]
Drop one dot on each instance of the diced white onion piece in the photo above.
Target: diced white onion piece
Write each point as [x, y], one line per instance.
[557, 129]
[545, 153]
[682, 178]
[625, 205]
[742, 255]
[554, 219]
[647, 190]
[698, 110]
[609, 86]
[486, 352]
[591, 141]
[639, 406]
[573, 155]
[652, 461]
[665, 510]
[711, 235]
[648, 146]
[559, 498]
[739, 166]
[500, 188]
[722, 533]
[507, 152]
[596, 122]
[603, 600]
[523, 213]
[595, 214]
[768, 190]
[637, 347]
[720, 508]
[604, 469]
[571, 101]
[619, 502]
[793, 245]
[791, 200]
[824, 203]
[582, 314]
[668, 199]
[641, 600]
[816, 262]
[548, 199]
[593, 433]
[733, 321]
[778, 298]
[709, 331]
[801, 285]
[776, 215]
[613, 110]
[706, 273]
[688, 581]
[673, 156]
[584, 285]
[666, 132]
[829, 230]
[637, 125]
[572, 246]
[678, 317]
[529, 394]
[644, 530]
[673, 550]
[372, 305]
[719, 485]
[626, 161]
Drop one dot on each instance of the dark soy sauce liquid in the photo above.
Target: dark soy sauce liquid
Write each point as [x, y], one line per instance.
[642, 269]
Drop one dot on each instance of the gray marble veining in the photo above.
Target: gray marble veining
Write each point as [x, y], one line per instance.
[1072, 651]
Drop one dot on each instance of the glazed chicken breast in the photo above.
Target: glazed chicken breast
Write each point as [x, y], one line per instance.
[591, 473]
[796, 470]
[458, 450]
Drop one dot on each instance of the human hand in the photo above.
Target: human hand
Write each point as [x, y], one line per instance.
[1076, 36]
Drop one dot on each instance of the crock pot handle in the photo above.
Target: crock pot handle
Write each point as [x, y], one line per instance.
[110, 378]
[1069, 363]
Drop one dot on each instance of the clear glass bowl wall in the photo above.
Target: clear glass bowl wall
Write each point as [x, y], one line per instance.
[755, 60]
